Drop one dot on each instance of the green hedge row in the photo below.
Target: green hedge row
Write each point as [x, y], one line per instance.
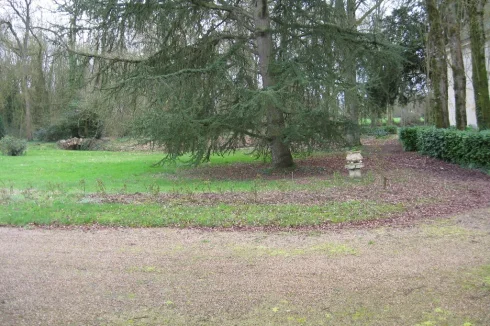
[380, 131]
[462, 147]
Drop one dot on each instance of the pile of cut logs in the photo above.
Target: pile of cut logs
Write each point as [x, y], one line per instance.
[70, 144]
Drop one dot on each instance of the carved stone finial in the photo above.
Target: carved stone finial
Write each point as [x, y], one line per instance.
[354, 164]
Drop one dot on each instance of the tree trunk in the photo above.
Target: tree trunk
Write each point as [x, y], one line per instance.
[389, 115]
[439, 66]
[457, 64]
[353, 135]
[27, 100]
[480, 78]
[281, 153]
[72, 60]
[25, 72]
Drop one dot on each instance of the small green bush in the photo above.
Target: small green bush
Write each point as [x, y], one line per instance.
[77, 123]
[12, 146]
[391, 129]
[53, 132]
[378, 131]
[470, 148]
[408, 138]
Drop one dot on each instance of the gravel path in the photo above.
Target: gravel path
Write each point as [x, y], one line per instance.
[434, 272]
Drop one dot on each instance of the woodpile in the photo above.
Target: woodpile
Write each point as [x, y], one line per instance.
[70, 144]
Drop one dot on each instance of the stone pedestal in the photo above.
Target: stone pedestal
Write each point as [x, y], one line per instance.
[354, 164]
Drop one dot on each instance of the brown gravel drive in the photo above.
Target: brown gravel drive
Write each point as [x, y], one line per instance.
[434, 272]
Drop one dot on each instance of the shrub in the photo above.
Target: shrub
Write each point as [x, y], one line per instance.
[12, 146]
[469, 148]
[54, 132]
[77, 123]
[411, 119]
[391, 129]
[378, 131]
[2, 129]
[408, 138]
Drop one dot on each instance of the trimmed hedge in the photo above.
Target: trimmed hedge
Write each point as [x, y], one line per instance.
[408, 138]
[378, 131]
[471, 148]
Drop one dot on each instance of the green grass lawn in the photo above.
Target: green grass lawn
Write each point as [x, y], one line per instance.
[396, 120]
[223, 215]
[52, 186]
[46, 168]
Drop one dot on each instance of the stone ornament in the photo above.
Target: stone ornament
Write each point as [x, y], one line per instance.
[354, 164]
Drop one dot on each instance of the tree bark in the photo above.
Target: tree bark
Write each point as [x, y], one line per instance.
[439, 66]
[25, 71]
[24, 14]
[353, 135]
[480, 78]
[389, 115]
[457, 64]
[281, 153]
[72, 60]
[27, 100]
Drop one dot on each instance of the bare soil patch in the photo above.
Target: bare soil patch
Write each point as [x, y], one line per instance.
[433, 273]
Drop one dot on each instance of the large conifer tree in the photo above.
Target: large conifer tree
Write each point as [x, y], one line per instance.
[206, 75]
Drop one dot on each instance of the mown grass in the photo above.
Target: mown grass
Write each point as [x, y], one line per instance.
[49, 186]
[155, 215]
[45, 167]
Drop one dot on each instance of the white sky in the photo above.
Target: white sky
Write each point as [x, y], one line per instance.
[47, 6]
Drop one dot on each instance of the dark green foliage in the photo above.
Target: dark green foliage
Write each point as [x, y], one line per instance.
[391, 129]
[471, 148]
[378, 131]
[12, 146]
[399, 79]
[408, 138]
[197, 88]
[77, 123]
[53, 132]
[2, 129]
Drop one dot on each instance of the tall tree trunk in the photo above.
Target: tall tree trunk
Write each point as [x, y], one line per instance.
[439, 66]
[457, 64]
[281, 153]
[389, 115]
[72, 60]
[353, 136]
[25, 71]
[22, 43]
[480, 78]
[27, 99]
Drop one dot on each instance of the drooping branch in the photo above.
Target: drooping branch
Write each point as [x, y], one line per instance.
[369, 12]
[109, 57]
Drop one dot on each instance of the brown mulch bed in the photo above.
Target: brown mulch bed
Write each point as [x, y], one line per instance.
[310, 167]
[426, 187]
[379, 154]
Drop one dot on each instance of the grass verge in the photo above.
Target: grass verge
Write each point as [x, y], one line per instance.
[155, 215]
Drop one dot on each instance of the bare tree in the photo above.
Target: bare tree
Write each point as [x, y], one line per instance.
[21, 11]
